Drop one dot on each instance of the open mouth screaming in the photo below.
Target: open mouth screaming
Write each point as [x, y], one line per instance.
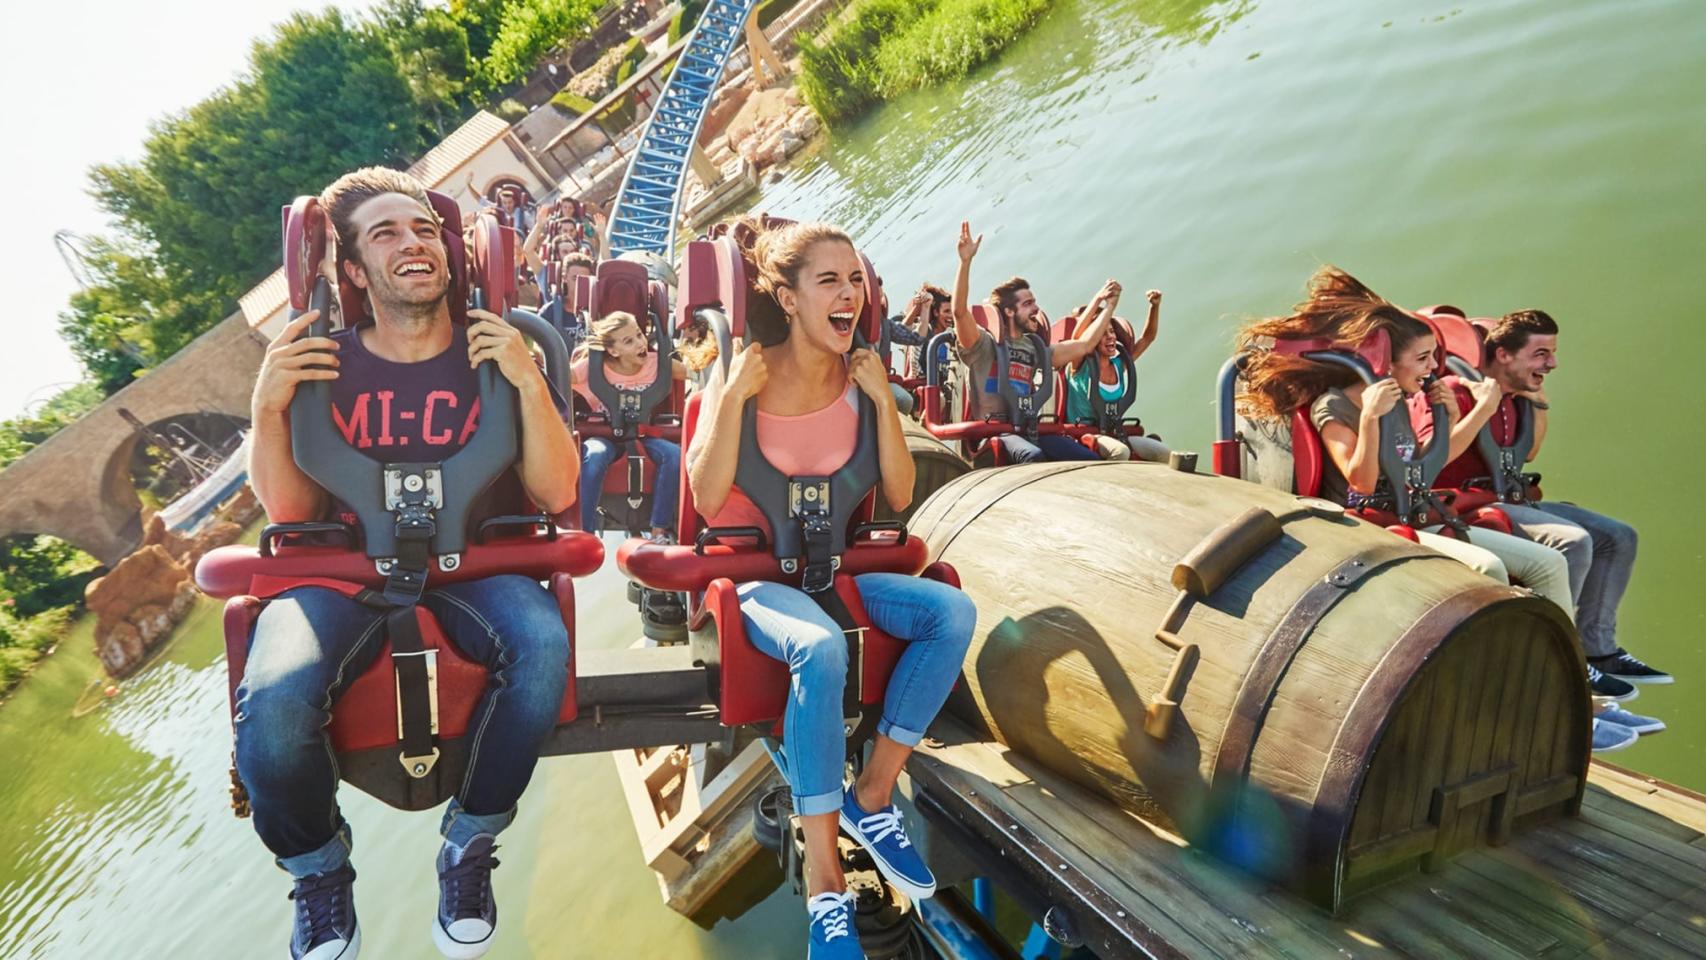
[842, 321]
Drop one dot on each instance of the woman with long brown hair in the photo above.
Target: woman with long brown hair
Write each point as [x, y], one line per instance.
[1347, 412]
[803, 374]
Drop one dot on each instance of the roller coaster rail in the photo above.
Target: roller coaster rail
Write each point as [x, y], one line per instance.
[649, 201]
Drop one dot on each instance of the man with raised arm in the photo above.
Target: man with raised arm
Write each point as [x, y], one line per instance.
[403, 386]
[1521, 350]
[1020, 315]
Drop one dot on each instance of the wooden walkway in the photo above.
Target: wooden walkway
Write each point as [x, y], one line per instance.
[1627, 879]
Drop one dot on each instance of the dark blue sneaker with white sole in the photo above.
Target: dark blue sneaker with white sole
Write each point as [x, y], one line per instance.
[1610, 687]
[467, 914]
[325, 926]
[1625, 666]
[832, 934]
[883, 834]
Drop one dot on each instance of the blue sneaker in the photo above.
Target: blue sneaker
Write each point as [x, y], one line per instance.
[883, 834]
[1634, 721]
[325, 926]
[833, 936]
[467, 917]
[1608, 736]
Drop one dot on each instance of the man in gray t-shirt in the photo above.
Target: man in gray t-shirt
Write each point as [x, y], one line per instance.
[976, 349]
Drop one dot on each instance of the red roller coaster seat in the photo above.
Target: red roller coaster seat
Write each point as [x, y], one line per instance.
[749, 686]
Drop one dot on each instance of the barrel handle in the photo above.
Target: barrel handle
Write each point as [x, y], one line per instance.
[1197, 576]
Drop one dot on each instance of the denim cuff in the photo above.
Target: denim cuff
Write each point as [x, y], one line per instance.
[330, 855]
[818, 803]
[899, 734]
[460, 826]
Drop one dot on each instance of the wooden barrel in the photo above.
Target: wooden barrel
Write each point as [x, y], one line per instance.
[1352, 706]
[936, 464]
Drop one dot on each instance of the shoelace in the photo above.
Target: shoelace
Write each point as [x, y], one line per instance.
[321, 904]
[1593, 674]
[830, 910]
[878, 827]
[1624, 658]
[468, 885]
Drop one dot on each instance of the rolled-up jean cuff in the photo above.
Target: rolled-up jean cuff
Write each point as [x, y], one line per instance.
[331, 855]
[899, 734]
[818, 803]
[460, 826]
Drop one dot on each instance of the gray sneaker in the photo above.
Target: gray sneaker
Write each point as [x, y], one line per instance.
[1634, 721]
[467, 915]
[1608, 736]
[325, 926]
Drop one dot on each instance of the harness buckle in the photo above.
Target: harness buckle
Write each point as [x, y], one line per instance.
[808, 503]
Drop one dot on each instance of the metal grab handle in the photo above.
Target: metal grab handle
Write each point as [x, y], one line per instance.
[538, 523]
[1202, 571]
[273, 532]
[711, 535]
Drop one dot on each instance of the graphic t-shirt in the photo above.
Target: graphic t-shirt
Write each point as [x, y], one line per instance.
[411, 412]
[981, 373]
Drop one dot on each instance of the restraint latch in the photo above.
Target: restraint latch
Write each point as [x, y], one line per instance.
[808, 505]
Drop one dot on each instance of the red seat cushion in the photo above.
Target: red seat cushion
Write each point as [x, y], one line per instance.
[1307, 455]
[365, 716]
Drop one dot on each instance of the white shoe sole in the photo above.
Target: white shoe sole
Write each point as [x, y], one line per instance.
[908, 887]
[1623, 745]
[1657, 681]
[350, 950]
[456, 949]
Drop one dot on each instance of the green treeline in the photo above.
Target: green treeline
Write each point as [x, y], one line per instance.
[888, 47]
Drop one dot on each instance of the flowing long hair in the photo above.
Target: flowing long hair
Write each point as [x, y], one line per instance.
[1336, 307]
[775, 253]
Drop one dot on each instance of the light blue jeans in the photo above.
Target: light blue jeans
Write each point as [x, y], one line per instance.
[598, 453]
[934, 619]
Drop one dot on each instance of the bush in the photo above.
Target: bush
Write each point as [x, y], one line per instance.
[770, 11]
[889, 47]
[511, 111]
[684, 21]
[573, 102]
[14, 663]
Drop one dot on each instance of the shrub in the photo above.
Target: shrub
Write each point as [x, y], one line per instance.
[14, 663]
[572, 102]
[684, 21]
[511, 111]
[889, 47]
[770, 11]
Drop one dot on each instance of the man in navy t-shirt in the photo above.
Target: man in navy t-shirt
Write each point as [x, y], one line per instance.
[403, 389]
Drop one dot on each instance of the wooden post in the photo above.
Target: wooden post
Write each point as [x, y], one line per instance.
[702, 167]
[767, 67]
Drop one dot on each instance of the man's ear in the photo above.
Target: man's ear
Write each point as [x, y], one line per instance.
[356, 274]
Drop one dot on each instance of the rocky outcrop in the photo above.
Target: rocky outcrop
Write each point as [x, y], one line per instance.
[142, 599]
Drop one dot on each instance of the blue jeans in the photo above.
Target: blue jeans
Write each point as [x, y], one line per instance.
[598, 453]
[1048, 447]
[935, 619]
[310, 643]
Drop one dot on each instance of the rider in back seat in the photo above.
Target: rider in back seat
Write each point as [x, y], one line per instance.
[1347, 414]
[404, 387]
[806, 385]
[1020, 316]
[629, 364]
[1109, 370]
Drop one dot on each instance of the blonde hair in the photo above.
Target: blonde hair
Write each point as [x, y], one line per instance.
[602, 332]
[776, 253]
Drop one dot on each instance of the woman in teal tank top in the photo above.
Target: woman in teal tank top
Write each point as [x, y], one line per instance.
[1109, 370]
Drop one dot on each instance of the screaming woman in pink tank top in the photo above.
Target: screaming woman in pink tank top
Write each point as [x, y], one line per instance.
[811, 444]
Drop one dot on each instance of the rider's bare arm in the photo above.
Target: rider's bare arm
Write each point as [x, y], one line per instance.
[1151, 325]
[1085, 340]
[715, 453]
[965, 325]
[549, 468]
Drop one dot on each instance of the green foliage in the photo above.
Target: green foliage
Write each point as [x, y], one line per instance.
[529, 29]
[573, 102]
[684, 20]
[24, 640]
[431, 49]
[21, 433]
[770, 10]
[889, 47]
[43, 573]
[511, 111]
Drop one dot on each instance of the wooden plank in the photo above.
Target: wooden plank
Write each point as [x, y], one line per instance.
[1424, 929]
[1600, 803]
[1477, 901]
[1645, 842]
[1683, 806]
[1610, 889]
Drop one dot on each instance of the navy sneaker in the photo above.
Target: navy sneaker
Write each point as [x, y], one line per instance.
[1625, 667]
[325, 917]
[1605, 685]
[1609, 737]
[883, 834]
[832, 933]
[1634, 721]
[467, 915]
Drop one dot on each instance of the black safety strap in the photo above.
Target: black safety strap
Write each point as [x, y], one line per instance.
[415, 666]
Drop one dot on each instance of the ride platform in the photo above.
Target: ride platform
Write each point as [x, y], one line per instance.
[1626, 878]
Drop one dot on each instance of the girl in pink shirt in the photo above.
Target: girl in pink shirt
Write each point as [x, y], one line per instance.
[802, 372]
[629, 364]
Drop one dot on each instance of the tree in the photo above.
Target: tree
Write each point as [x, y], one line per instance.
[430, 46]
[529, 30]
[21, 433]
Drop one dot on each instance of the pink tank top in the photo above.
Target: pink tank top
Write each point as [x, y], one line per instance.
[808, 445]
[633, 381]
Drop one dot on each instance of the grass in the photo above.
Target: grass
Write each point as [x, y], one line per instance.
[889, 47]
[23, 642]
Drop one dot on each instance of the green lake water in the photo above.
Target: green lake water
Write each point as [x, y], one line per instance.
[1490, 154]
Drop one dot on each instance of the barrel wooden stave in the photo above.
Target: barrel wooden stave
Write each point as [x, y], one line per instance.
[1070, 566]
[935, 463]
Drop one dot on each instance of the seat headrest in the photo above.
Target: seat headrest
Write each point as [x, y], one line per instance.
[1458, 337]
[987, 318]
[580, 293]
[876, 303]
[713, 274]
[1061, 330]
[352, 300]
[1375, 350]
[305, 241]
[621, 285]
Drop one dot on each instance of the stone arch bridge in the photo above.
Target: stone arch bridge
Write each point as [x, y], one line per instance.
[76, 485]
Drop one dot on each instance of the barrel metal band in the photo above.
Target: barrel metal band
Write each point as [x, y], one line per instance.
[1262, 680]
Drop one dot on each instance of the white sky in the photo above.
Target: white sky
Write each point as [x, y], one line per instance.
[84, 80]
